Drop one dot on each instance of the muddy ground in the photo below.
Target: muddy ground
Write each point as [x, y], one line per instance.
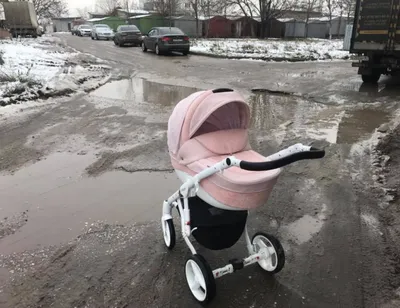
[83, 180]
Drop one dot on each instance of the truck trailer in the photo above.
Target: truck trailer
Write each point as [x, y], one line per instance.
[376, 38]
[21, 19]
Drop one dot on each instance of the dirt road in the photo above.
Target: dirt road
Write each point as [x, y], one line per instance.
[83, 180]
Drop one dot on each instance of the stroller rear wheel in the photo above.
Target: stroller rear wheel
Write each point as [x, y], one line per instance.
[169, 233]
[273, 259]
[200, 279]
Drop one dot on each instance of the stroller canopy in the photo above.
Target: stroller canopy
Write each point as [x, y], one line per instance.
[205, 112]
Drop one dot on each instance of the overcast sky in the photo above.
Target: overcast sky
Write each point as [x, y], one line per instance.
[74, 4]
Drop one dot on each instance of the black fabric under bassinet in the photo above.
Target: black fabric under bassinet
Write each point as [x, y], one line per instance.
[215, 228]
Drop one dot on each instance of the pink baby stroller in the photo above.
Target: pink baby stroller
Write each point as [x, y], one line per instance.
[223, 178]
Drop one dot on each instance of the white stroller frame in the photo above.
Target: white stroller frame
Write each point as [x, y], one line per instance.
[262, 255]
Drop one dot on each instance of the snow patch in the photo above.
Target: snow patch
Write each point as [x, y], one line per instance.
[272, 49]
[43, 68]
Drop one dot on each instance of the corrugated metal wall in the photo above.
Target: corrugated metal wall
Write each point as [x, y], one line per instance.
[61, 26]
[295, 29]
[188, 26]
[318, 30]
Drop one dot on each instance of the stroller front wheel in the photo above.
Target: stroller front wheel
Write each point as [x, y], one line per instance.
[169, 233]
[273, 255]
[200, 279]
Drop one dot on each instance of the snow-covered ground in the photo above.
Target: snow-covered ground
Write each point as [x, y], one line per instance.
[44, 67]
[272, 49]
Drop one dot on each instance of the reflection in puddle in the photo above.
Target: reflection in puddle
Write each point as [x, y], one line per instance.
[288, 115]
[283, 115]
[139, 97]
[60, 200]
[137, 91]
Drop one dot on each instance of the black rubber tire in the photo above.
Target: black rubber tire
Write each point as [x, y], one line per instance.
[278, 248]
[208, 278]
[97, 37]
[157, 50]
[374, 78]
[115, 43]
[144, 48]
[92, 37]
[172, 235]
[185, 53]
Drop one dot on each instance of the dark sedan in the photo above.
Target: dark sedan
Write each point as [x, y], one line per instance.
[166, 39]
[129, 34]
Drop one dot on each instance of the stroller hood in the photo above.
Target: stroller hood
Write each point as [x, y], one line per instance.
[204, 112]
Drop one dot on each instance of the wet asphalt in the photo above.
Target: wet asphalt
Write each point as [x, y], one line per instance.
[82, 183]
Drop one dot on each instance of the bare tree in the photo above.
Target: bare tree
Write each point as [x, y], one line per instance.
[166, 7]
[129, 5]
[109, 7]
[349, 6]
[265, 9]
[331, 7]
[345, 7]
[208, 8]
[309, 6]
[83, 12]
[195, 6]
[50, 8]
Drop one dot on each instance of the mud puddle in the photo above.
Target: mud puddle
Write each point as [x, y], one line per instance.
[358, 124]
[280, 117]
[141, 97]
[51, 201]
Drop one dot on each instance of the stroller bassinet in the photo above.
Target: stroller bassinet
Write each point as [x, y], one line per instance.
[207, 127]
[222, 179]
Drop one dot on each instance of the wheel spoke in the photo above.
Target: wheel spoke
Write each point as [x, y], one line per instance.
[194, 284]
[198, 276]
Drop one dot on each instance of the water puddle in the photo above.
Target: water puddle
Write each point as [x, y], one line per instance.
[359, 124]
[141, 97]
[142, 91]
[304, 228]
[290, 116]
[58, 201]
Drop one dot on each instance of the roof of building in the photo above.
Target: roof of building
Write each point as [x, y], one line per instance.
[139, 16]
[66, 18]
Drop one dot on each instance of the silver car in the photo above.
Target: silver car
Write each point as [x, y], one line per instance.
[102, 31]
[84, 30]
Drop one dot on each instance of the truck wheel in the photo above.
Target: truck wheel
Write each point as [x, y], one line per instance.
[373, 78]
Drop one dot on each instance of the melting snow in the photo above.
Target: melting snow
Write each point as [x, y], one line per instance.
[273, 49]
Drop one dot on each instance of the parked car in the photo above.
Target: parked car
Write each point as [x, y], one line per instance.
[74, 30]
[84, 30]
[129, 34]
[102, 31]
[166, 39]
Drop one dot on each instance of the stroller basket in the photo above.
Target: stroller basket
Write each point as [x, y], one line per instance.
[215, 228]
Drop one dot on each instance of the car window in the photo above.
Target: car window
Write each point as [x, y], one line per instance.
[85, 27]
[171, 30]
[129, 28]
[151, 33]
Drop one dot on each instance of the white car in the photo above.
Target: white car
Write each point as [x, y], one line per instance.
[102, 31]
[84, 30]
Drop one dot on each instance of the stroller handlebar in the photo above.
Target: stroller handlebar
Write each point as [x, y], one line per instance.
[285, 157]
